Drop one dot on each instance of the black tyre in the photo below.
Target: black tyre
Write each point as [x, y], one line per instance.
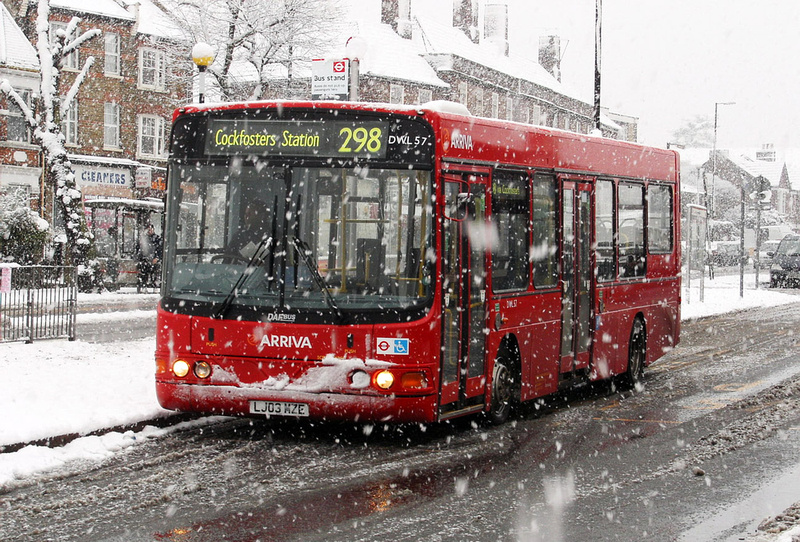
[637, 350]
[502, 392]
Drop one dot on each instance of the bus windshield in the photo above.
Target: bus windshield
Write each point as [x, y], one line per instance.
[301, 239]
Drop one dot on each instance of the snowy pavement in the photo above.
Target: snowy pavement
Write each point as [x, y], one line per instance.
[57, 387]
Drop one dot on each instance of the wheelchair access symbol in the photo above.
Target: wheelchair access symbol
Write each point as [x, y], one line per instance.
[397, 347]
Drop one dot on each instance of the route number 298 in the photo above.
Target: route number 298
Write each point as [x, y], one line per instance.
[358, 139]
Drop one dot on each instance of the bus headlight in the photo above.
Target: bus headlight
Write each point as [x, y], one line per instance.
[384, 380]
[202, 369]
[180, 368]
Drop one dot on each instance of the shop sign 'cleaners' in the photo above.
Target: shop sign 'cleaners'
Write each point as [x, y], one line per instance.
[330, 79]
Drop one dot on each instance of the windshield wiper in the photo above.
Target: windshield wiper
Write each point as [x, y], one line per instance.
[304, 252]
[256, 260]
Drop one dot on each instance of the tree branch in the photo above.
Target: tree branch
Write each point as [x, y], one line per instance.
[13, 95]
[73, 90]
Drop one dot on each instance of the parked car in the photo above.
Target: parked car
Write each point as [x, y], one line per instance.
[785, 269]
[725, 253]
[766, 252]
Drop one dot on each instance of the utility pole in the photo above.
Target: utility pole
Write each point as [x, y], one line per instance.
[597, 55]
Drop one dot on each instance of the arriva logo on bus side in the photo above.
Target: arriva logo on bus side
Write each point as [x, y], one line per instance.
[461, 141]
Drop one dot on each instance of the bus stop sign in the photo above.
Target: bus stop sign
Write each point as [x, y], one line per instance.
[330, 79]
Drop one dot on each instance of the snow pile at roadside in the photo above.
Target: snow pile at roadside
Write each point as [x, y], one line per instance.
[57, 387]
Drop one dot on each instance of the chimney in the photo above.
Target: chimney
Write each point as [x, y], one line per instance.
[465, 18]
[134, 8]
[495, 27]
[767, 153]
[550, 55]
[397, 14]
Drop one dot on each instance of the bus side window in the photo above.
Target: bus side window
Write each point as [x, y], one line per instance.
[659, 219]
[604, 228]
[542, 252]
[630, 216]
[510, 215]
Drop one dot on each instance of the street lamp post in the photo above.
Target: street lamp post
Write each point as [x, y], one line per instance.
[202, 56]
[713, 210]
[598, 21]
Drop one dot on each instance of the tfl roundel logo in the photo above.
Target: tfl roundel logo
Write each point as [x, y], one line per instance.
[393, 346]
[339, 66]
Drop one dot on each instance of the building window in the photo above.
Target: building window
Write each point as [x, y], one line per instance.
[397, 94]
[21, 192]
[537, 115]
[495, 105]
[112, 53]
[509, 108]
[479, 102]
[16, 126]
[71, 61]
[462, 93]
[152, 69]
[151, 136]
[111, 126]
[425, 95]
[69, 124]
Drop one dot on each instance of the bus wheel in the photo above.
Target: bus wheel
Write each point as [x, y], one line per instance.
[502, 392]
[637, 350]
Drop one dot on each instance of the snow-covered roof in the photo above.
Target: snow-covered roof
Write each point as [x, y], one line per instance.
[108, 160]
[15, 49]
[745, 159]
[387, 55]
[390, 55]
[104, 8]
[759, 168]
[435, 38]
[153, 21]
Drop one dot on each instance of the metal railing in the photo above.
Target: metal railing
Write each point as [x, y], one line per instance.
[40, 304]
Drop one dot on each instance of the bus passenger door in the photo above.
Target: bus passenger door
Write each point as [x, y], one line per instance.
[576, 275]
[464, 295]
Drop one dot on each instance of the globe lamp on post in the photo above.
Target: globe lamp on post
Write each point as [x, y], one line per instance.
[202, 56]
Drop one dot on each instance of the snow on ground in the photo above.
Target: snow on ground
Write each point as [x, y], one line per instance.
[58, 387]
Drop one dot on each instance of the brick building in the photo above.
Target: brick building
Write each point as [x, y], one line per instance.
[412, 59]
[116, 130]
[19, 160]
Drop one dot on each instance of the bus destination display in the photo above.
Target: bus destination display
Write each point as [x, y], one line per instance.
[345, 139]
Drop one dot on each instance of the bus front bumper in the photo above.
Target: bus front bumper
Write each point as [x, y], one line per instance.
[239, 401]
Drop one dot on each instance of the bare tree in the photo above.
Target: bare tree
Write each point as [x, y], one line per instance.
[252, 36]
[697, 132]
[44, 117]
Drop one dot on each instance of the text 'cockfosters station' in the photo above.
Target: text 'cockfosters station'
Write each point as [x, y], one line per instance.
[297, 138]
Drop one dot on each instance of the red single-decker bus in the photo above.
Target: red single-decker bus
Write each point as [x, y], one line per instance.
[381, 263]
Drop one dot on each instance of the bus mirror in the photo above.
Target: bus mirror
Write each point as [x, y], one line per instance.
[458, 209]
